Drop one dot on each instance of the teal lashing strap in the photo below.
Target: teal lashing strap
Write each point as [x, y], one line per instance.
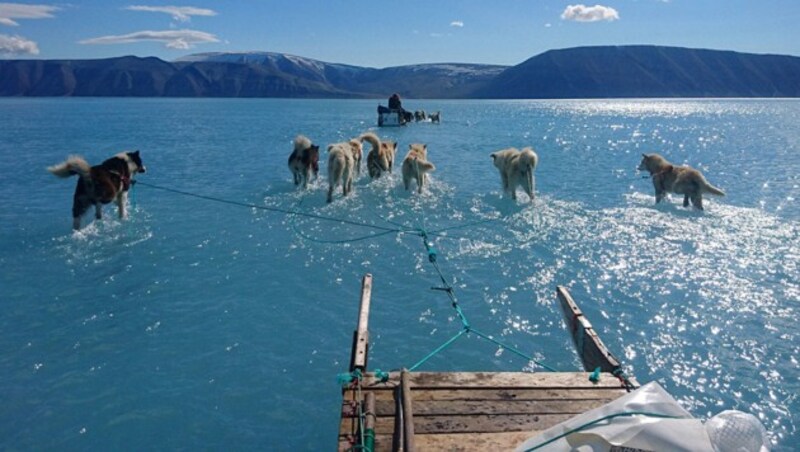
[428, 246]
[346, 378]
[382, 376]
[595, 376]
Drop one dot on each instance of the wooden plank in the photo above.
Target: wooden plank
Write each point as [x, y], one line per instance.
[590, 348]
[518, 380]
[505, 394]
[369, 417]
[467, 442]
[358, 356]
[397, 432]
[473, 424]
[408, 412]
[459, 442]
[460, 407]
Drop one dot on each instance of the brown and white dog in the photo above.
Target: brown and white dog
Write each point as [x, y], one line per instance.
[416, 166]
[304, 161]
[100, 184]
[682, 180]
[516, 169]
[342, 166]
[381, 157]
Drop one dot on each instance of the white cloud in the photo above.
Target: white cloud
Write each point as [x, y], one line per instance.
[11, 11]
[583, 13]
[173, 39]
[179, 13]
[457, 23]
[17, 45]
[548, 25]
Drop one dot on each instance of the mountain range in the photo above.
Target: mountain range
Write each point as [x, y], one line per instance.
[582, 72]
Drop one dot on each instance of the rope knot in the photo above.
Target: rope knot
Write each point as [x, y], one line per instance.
[428, 246]
[382, 376]
[595, 376]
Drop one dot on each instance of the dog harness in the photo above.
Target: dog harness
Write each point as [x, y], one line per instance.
[124, 178]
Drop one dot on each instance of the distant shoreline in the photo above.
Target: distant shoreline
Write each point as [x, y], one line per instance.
[614, 72]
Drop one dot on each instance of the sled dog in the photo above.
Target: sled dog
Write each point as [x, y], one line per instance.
[682, 180]
[100, 184]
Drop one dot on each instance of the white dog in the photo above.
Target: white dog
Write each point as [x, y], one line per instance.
[516, 169]
[342, 166]
[416, 166]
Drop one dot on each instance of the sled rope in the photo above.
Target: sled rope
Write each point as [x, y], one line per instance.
[446, 287]
[466, 327]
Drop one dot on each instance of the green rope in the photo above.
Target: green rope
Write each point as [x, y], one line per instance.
[595, 376]
[438, 349]
[270, 209]
[422, 232]
[514, 350]
[382, 376]
[604, 418]
[465, 325]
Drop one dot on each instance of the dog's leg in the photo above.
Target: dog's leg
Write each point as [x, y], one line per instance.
[697, 200]
[347, 185]
[98, 210]
[685, 200]
[330, 193]
[660, 195]
[122, 201]
[528, 178]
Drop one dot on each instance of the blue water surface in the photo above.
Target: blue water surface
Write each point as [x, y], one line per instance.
[200, 325]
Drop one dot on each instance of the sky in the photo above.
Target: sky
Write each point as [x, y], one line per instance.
[378, 33]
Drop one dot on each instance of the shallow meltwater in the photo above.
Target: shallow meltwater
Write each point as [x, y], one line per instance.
[678, 294]
[221, 311]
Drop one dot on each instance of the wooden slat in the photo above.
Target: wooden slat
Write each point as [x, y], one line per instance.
[408, 412]
[358, 357]
[458, 407]
[518, 380]
[503, 394]
[468, 442]
[590, 348]
[473, 424]
[459, 442]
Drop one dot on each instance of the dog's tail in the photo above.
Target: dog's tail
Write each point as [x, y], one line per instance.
[423, 166]
[301, 142]
[529, 158]
[73, 165]
[708, 188]
[372, 139]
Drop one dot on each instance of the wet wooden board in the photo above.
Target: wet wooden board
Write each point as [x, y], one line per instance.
[456, 442]
[592, 351]
[503, 380]
[478, 410]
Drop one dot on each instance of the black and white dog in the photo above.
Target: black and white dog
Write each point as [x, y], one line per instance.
[100, 184]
